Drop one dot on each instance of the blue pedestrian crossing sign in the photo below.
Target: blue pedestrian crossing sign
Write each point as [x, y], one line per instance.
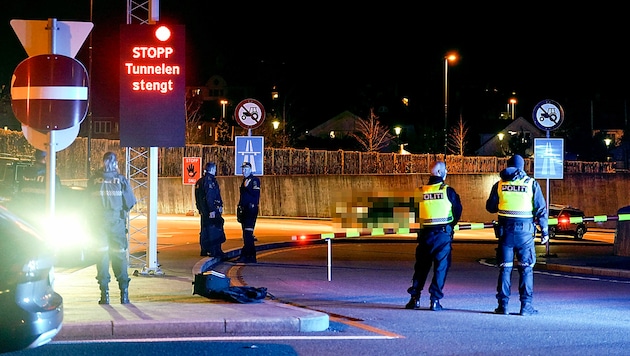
[548, 158]
[249, 149]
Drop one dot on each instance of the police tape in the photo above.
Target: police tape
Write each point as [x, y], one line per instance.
[354, 232]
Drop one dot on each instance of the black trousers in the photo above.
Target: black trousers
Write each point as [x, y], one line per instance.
[433, 250]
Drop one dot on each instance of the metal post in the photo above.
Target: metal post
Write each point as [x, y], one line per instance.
[445, 105]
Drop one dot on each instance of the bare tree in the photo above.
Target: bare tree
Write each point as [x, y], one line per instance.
[371, 135]
[458, 138]
[193, 116]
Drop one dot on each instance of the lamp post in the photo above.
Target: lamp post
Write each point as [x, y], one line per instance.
[397, 131]
[223, 103]
[607, 141]
[452, 57]
[500, 136]
[513, 103]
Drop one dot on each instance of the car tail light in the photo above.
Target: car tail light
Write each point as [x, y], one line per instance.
[563, 220]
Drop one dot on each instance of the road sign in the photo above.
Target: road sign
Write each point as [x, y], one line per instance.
[249, 113]
[548, 158]
[50, 92]
[35, 36]
[249, 149]
[42, 140]
[548, 115]
[191, 170]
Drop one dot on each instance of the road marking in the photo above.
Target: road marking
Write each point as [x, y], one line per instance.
[223, 338]
[235, 275]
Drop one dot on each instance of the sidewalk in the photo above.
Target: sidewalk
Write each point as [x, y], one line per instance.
[164, 306]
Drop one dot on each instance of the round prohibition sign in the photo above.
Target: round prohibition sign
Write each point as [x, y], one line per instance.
[249, 113]
[548, 115]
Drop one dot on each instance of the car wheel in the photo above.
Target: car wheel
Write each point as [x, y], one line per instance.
[552, 232]
[579, 232]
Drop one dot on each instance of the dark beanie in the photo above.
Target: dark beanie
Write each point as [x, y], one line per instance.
[517, 162]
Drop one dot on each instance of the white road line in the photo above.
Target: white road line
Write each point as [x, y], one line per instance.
[224, 338]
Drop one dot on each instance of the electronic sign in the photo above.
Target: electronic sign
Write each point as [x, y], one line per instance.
[152, 86]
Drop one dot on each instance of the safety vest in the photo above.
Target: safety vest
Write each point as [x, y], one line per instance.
[516, 198]
[435, 208]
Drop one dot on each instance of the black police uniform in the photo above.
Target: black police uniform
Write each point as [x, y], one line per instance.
[208, 199]
[115, 199]
[247, 215]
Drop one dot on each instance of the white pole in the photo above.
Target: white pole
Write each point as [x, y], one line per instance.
[329, 259]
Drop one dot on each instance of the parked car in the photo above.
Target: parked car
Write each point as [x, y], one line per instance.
[68, 227]
[32, 312]
[564, 214]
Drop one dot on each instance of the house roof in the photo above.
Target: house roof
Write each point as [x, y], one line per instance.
[343, 124]
[491, 145]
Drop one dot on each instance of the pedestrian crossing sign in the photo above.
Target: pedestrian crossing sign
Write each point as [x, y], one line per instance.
[249, 149]
[548, 158]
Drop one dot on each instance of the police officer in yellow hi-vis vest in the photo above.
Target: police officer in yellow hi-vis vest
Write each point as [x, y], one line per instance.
[519, 203]
[439, 210]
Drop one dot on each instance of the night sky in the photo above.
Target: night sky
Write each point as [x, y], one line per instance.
[330, 59]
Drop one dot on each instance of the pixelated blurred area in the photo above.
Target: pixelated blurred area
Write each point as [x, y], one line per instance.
[375, 209]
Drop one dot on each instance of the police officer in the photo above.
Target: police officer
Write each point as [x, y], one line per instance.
[210, 206]
[111, 198]
[519, 202]
[440, 210]
[247, 212]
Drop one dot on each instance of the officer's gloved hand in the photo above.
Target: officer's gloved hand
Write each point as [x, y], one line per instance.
[544, 238]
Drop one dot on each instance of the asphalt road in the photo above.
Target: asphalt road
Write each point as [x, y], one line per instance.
[361, 284]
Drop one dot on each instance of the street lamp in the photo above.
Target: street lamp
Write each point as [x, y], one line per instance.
[513, 103]
[500, 136]
[397, 131]
[223, 103]
[275, 124]
[607, 141]
[452, 57]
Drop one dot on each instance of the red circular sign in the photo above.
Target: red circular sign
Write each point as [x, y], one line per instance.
[249, 113]
[50, 92]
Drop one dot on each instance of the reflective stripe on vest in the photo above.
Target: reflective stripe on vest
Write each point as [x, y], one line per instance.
[435, 208]
[516, 198]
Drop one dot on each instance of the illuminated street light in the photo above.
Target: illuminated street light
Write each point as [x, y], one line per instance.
[450, 57]
[223, 104]
[607, 141]
[513, 102]
[275, 124]
[397, 131]
[501, 135]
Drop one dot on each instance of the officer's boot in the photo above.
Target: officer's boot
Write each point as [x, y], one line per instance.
[104, 295]
[414, 301]
[124, 295]
[123, 285]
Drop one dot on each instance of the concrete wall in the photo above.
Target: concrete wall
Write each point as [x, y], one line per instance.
[311, 196]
